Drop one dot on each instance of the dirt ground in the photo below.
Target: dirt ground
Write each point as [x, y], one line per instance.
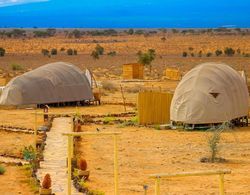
[144, 151]
[16, 180]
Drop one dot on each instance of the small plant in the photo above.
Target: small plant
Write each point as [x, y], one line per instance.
[16, 67]
[112, 53]
[200, 54]
[29, 153]
[70, 52]
[209, 54]
[2, 170]
[53, 51]
[45, 52]
[95, 55]
[46, 181]
[99, 49]
[108, 120]
[109, 86]
[157, 127]
[83, 164]
[2, 52]
[95, 192]
[229, 51]
[218, 52]
[184, 54]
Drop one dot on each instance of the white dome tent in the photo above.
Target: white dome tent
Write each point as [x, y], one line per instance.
[210, 93]
[52, 83]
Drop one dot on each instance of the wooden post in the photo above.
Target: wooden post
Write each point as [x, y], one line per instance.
[69, 163]
[35, 128]
[72, 138]
[115, 165]
[222, 192]
[123, 98]
[157, 185]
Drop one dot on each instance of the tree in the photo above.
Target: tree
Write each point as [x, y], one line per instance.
[147, 58]
[51, 32]
[70, 52]
[95, 55]
[238, 51]
[184, 54]
[76, 33]
[229, 51]
[99, 49]
[2, 52]
[218, 52]
[131, 31]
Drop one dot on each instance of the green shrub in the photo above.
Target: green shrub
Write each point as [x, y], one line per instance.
[107, 120]
[29, 153]
[147, 58]
[2, 52]
[2, 170]
[16, 67]
[53, 51]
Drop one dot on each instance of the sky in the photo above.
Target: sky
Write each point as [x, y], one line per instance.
[124, 13]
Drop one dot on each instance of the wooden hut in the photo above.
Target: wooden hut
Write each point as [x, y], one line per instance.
[154, 107]
[133, 71]
[173, 74]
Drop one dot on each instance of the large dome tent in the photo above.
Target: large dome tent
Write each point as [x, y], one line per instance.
[210, 93]
[52, 83]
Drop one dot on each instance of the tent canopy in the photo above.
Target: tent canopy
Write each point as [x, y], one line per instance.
[210, 93]
[51, 83]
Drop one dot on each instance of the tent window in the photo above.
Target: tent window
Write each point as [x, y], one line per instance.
[215, 95]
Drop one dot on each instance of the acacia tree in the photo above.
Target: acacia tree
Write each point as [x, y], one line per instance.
[147, 58]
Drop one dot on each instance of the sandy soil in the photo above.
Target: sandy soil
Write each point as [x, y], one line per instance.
[13, 143]
[144, 151]
[16, 180]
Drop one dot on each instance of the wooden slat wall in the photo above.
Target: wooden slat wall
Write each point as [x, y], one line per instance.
[133, 71]
[154, 107]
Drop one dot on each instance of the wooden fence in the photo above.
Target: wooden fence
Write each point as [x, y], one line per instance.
[154, 107]
[173, 74]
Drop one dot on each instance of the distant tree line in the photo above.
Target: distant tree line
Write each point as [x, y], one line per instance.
[228, 51]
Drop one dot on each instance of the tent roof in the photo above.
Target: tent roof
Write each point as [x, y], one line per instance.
[51, 83]
[210, 93]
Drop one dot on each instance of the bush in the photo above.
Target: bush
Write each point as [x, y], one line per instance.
[46, 181]
[209, 54]
[112, 53]
[99, 49]
[192, 54]
[45, 52]
[163, 38]
[95, 55]
[29, 153]
[229, 51]
[16, 67]
[131, 31]
[53, 51]
[109, 86]
[62, 49]
[2, 52]
[184, 54]
[200, 54]
[75, 52]
[70, 52]
[2, 170]
[218, 52]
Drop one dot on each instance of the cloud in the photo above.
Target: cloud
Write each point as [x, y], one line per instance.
[4, 3]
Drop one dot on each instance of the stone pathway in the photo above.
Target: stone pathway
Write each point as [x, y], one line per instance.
[55, 155]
